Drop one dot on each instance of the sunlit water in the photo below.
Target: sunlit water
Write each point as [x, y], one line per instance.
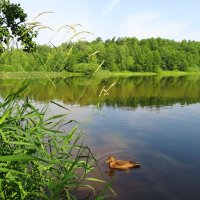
[152, 120]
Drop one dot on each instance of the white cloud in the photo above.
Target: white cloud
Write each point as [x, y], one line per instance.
[109, 8]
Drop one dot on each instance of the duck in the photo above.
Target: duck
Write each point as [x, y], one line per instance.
[121, 164]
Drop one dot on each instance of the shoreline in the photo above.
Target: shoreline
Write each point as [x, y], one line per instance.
[99, 74]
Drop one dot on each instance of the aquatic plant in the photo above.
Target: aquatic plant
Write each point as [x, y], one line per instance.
[38, 159]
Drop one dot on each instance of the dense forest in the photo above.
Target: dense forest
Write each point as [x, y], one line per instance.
[118, 54]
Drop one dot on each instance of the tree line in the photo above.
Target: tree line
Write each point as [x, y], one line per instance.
[118, 54]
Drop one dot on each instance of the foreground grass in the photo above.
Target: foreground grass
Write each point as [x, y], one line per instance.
[39, 160]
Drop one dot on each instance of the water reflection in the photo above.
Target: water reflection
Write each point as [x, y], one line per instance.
[152, 120]
[165, 143]
[128, 93]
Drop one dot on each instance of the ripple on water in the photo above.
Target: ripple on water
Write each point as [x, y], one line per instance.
[154, 166]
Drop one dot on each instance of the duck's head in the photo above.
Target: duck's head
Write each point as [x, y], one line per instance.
[110, 159]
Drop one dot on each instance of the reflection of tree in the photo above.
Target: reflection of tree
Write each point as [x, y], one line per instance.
[128, 92]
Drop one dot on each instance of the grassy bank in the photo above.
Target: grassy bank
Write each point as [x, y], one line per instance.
[105, 73]
[29, 75]
[99, 74]
[177, 73]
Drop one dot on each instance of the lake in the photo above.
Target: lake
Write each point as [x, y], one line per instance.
[153, 120]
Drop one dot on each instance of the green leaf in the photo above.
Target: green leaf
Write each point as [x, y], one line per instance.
[4, 116]
[59, 105]
[10, 158]
[95, 179]
[56, 117]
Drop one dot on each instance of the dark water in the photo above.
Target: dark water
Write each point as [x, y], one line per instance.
[153, 120]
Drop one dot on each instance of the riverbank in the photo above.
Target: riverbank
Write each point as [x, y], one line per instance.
[177, 73]
[99, 74]
[30, 75]
[162, 73]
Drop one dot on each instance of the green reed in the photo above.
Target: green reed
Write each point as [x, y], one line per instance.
[39, 160]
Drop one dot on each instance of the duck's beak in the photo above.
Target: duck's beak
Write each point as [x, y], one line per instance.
[137, 165]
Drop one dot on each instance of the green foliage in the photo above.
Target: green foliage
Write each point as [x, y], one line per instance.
[13, 26]
[85, 68]
[119, 54]
[157, 62]
[37, 159]
[147, 55]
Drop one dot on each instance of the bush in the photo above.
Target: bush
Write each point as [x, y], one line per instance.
[85, 68]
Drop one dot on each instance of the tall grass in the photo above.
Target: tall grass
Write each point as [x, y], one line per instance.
[39, 160]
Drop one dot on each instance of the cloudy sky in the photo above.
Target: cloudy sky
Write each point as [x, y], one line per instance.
[172, 19]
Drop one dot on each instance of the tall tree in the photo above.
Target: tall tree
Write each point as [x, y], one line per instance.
[13, 26]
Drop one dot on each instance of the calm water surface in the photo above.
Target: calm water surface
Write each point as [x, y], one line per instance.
[153, 120]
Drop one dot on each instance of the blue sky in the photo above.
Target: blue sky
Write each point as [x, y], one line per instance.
[171, 19]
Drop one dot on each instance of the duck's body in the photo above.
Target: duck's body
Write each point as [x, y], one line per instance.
[121, 164]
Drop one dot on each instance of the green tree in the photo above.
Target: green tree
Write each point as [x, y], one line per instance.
[121, 58]
[110, 57]
[13, 26]
[129, 63]
[157, 62]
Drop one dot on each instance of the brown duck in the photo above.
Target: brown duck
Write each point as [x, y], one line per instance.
[121, 164]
